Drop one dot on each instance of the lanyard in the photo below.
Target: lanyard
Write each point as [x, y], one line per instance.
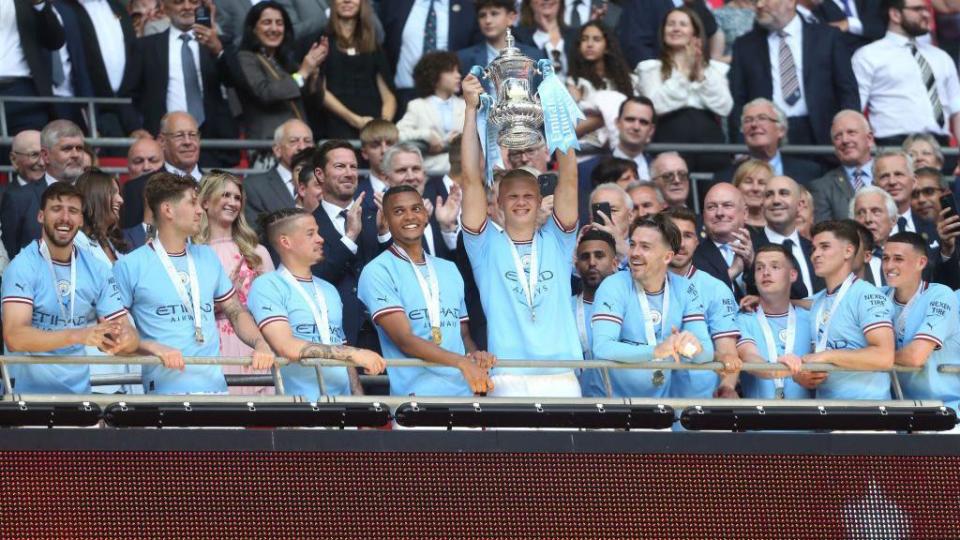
[647, 316]
[582, 329]
[72, 293]
[791, 331]
[824, 315]
[902, 318]
[317, 304]
[189, 301]
[528, 282]
[430, 289]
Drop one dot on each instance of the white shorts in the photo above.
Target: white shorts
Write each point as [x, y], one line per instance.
[562, 385]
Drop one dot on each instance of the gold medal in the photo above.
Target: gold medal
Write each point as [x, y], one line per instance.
[437, 336]
[659, 378]
[198, 335]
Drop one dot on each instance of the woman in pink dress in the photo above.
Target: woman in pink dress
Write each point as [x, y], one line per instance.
[224, 228]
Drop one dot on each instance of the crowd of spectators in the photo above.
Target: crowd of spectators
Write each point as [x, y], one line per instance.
[867, 77]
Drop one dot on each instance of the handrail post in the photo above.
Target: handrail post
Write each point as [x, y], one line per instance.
[323, 385]
[92, 113]
[897, 389]
[278, 381]
[7, 385]
[607, 385]
[3, 118]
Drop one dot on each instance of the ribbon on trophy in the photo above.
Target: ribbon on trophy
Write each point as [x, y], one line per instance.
[486, 130]
[560, 111]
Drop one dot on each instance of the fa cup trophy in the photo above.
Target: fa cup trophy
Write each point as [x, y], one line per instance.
[517, 111]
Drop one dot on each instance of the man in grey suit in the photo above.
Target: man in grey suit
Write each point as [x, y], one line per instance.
[276, 188]
[853, 145]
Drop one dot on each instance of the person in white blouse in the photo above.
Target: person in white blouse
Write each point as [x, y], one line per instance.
[436, 116]
[689, 91]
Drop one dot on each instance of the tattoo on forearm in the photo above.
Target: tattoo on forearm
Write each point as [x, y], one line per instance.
[332, 352]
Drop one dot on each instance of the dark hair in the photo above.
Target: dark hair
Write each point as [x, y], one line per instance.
[840, 228]
[427, 72]
[508, 5]
[615, 67]
[303, 158]
[681, 213]
[98, 222]
[639, 100]
[662, 224]
[526, 15]
[598, 235]
[58, 190]
[364, 37]
[250, 42]
[610, 169]
[666, 58]
[931, 172]
[866, 237]
[163, 187]
[778, 248]
[912, 238]
[320, 157]
[272, 223]
[396, 190]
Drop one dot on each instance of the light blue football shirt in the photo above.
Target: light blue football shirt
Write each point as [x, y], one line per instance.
[863, 309]
[754, 387]
[272, 299]
[932, 317]
[27, 281]
[388, 285]
[160, 315]
[720, 311]
[511, 334]
[619, 333]
[591, 380]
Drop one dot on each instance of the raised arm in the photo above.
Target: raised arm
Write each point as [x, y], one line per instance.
[565, 202]
[474, 211]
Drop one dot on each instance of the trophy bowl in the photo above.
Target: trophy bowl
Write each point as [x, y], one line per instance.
[517, 111]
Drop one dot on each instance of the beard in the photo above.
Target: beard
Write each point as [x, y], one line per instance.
[914, 28]
[50, 231]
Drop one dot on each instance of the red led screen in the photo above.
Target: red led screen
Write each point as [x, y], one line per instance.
[360, 494]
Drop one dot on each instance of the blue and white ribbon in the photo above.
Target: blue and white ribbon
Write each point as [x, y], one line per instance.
[487, 131]
[560, 111]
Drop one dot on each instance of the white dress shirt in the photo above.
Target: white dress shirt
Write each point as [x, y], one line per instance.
[13, 63]
[195, 173]
[855, 25]
[875, 270]
[176, 89]
[542, 39]
[678, 91]
[378, 185]
[110, 38]
[643, 171]
[908, 215]
[583, 9]
[64, 89]
[892, 89]
[287, 176]
[49, 179]
[411, 48]
[866, 175]
[794, 31]
[776, 238]
[339, 223]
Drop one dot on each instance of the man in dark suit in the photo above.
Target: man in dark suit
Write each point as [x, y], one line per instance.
[496, 17]
[576, 14]
[111, 54]
[27, 159]
[781, 203]
[765, 64]
[893, 172]
[180, 139]
[727, 251]
[853, 145]
[33, 32]
[764, 129]
[161, 83]
[61, 148]
[403, 165]
[404, 23]
[861, 21]
[351, 237]
[277, 188]
[375, 138]
[70, 73]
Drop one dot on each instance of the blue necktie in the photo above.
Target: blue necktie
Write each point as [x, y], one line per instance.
[191, 81]
[430, 30]
[901, 224]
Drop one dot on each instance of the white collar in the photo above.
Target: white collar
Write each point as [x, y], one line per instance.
[284, 173]
[175, 34]
[378, 185]
[332, 210]
[794, 28]
[908, 215]
[49, 179]
[778, 238]
[195, 173]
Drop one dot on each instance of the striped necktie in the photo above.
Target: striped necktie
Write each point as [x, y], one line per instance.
[857, 180]
[929, 82]
[789, 83]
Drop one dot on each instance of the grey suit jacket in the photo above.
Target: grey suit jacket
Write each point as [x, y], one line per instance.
[230, 17]
[831, 196]
[265, 193]
[266, 101]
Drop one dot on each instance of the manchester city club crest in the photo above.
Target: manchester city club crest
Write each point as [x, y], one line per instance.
[783, 335]
[525, 261]
[63, 287]
[184, 278]
[655, 317]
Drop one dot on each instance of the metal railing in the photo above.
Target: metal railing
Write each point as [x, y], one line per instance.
[89, 103]
[275, 378]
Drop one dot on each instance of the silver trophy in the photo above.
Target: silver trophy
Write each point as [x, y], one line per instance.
[517, 112]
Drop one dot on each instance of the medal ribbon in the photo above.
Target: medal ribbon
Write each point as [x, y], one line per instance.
[317, 304]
